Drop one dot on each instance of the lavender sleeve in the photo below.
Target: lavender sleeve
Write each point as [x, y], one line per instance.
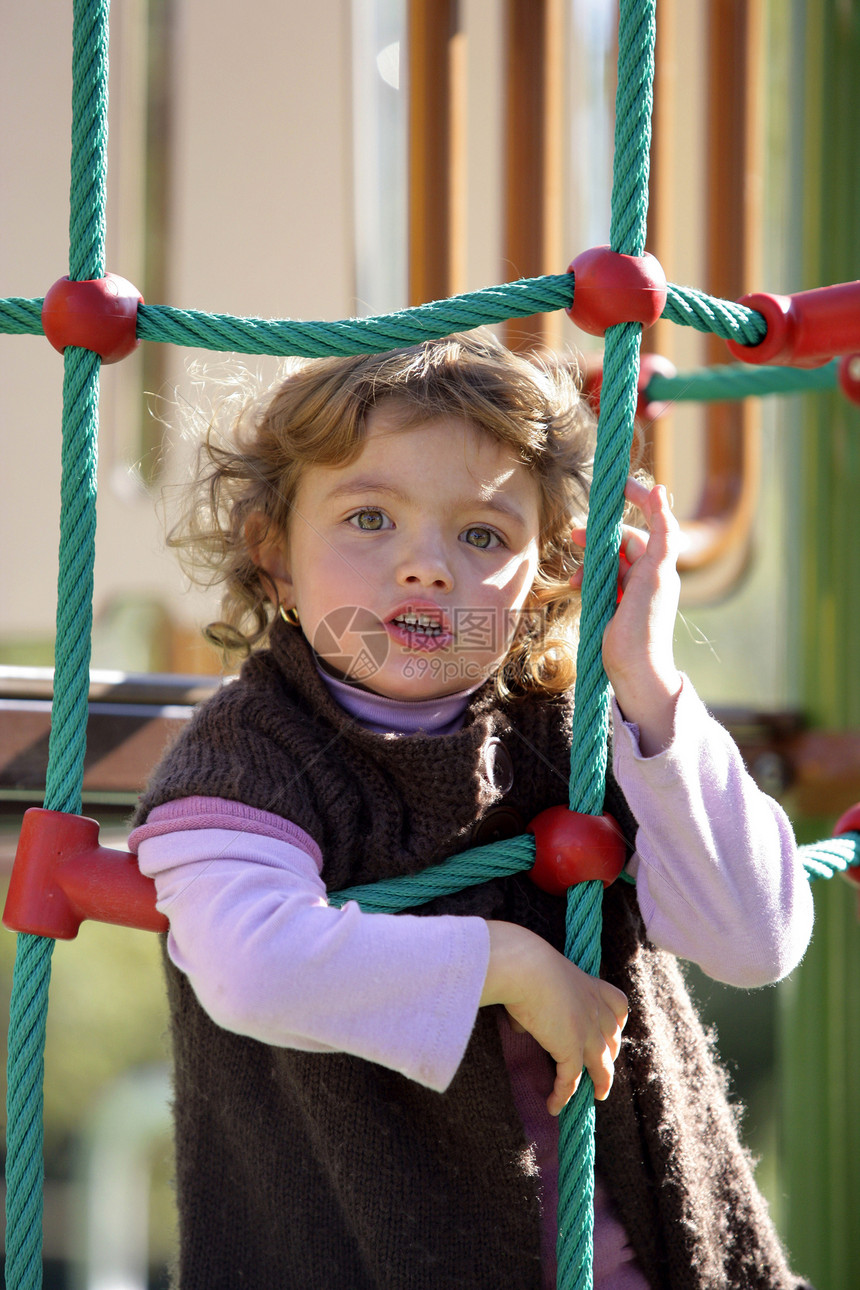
[268, 957]
[718, 877]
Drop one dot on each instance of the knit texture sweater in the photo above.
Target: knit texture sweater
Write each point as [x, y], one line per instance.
[312, 1170]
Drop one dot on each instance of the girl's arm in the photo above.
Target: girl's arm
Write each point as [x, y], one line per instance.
[717, 873]
[719, 881]
[268, 957]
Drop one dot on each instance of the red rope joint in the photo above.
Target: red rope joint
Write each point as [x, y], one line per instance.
[611, 288]
[98, 314]
[572, 847]
[849, 823]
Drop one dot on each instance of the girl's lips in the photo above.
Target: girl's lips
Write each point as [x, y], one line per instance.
[418, 641]
[421, 609]
[407, 626]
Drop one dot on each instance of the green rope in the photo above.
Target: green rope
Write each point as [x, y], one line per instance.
[739, 381]
[31, 978]
[516, 855]
[21, 317]
[224, 332]
[691, 308]
[423, 322]
[89, 140]
[358, 335]
[636, 34]
[832, 856]
[467, 869]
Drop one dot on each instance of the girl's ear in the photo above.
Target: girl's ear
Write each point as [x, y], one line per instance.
[268, 551]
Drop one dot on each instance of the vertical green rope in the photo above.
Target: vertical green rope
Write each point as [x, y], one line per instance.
[591, 711]
[29, 1003]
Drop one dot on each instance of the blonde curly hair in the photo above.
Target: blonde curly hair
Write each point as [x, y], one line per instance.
[316, 414]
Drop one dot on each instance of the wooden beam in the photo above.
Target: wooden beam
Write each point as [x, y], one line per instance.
[432, 25]
[133, 719]
[534, 94]
[718, 533]
[130, 723]
[732, 466]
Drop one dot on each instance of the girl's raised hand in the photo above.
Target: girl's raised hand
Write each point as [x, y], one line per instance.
[638, 651]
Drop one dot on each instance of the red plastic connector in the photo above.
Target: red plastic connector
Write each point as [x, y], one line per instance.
[610, 288]
[806, 329]
[571, 847]
[850, 823]
[98, 314]
[849, 377]
[61, 876]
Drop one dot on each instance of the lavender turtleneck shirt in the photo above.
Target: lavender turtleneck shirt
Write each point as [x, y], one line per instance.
[718, 882]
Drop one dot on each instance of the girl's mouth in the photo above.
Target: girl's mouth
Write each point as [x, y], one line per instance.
[420, 624]
[420, 629]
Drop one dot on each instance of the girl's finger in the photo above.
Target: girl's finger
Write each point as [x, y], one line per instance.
[633, 544]
[563, 1089]
[602, 1072]
[637, 492]
[664, 541]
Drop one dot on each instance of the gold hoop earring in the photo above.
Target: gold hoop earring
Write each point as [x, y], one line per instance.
[290, 616]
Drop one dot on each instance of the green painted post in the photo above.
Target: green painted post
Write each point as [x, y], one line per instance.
[820, 1017]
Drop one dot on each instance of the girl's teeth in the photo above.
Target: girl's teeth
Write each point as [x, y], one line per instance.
[424, 626]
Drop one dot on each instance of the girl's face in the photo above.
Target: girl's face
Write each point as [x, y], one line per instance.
[408, 567]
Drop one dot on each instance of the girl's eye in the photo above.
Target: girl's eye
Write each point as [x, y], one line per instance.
[370, 521]
[481, 537]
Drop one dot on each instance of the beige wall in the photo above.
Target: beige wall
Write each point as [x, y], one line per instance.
[262, 225]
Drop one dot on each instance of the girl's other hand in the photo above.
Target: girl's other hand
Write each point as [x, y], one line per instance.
[576, 1018]
[638, 643]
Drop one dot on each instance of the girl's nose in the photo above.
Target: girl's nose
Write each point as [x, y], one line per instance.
[425, 565]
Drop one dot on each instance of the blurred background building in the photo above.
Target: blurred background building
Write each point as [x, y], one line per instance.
[352, 157]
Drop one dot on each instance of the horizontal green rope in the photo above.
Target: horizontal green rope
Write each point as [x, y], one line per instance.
[480, 864]
[357, 335]
[833, 855]
[226, 333]
[739, 381]
[516, 855]
[691, 308]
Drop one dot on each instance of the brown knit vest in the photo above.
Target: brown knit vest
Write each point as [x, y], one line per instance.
[317, 1171]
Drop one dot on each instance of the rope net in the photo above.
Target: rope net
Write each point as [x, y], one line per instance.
[685, 306]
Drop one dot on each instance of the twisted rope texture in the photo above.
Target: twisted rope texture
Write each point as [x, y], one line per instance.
[225, 333]
[636, 37]
[28, 1007]
[832, 856]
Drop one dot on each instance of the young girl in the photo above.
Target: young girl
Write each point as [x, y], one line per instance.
[369, 1100]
